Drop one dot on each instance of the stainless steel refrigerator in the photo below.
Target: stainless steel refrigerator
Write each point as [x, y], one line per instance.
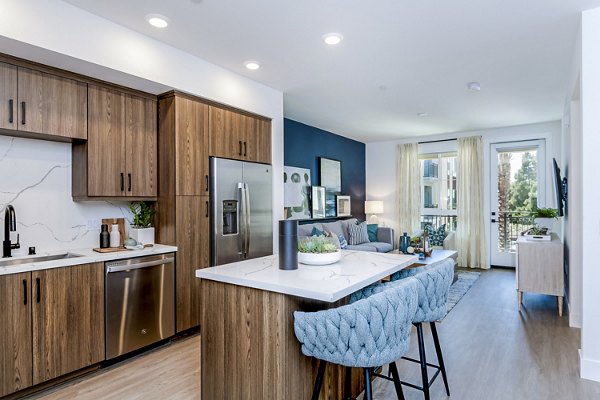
[241, 204]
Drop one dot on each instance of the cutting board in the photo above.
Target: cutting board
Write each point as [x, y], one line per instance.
[121, 223]
[110, 249]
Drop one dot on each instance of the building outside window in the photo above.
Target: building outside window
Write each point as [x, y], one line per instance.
[438, 189]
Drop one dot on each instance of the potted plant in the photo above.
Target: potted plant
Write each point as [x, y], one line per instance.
[318, 250]
[141, 229]
[545, 217]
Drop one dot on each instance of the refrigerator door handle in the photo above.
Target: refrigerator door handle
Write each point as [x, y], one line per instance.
[242, 220]
[247, 221]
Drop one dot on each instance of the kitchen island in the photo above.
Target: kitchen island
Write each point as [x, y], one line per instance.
[249, 350]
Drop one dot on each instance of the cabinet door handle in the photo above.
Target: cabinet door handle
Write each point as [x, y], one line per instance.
[122, 182]
[240, 153]
[206, 180]
[129, 182]
[10, 111]
[25, 291]
[23, 107]
[244, 149]
[37, 289]
[207, 209]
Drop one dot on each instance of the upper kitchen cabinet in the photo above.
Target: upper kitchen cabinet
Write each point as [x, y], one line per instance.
[119, 157]
[52, 105]
[184, 142]
[36, 102]
[239, 136]
[8, 96]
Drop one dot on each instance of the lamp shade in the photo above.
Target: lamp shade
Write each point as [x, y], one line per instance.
[373, 207]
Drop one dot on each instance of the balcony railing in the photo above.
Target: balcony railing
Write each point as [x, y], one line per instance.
[438, 220]
[510, 226]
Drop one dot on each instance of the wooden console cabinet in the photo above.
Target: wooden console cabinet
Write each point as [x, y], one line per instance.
[540, 269]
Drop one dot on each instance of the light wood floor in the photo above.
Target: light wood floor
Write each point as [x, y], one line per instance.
[491, 351]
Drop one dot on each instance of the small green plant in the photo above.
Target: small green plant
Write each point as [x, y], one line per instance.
[316, 244]
[142, 214]
[537, 231]
[546, 213]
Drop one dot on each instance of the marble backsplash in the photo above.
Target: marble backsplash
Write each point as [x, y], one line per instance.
[35, 177]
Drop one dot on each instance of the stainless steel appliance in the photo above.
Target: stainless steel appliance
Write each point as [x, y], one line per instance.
[140, 302]
[241, 220]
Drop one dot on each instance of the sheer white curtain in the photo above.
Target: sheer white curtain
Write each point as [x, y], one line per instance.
[470, 232]
[408, 188]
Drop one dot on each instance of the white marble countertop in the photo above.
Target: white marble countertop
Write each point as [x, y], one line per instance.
[87, 256]
[329, 283]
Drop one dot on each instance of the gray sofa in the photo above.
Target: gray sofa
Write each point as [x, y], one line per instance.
[385, 236]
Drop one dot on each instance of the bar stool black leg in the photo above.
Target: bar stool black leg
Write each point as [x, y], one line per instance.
[319, 380]
[438, 350]
[368, 391]
[423, 360]
[348, 384]
[397, 384]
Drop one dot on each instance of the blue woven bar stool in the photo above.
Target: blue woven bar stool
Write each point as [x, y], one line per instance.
[365, 334]
[433, 286]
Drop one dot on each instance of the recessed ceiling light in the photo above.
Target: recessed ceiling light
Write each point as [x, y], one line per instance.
[474, 86]
[332, 38]
[157, 20]
[252, 65]
[422, 114]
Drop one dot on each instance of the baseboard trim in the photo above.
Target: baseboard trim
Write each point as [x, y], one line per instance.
[589, 369]
[574, 320]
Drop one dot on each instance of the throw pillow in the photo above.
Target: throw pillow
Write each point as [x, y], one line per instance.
[436, 236]
[317, 232]
[343, 242]
[358, 234]
[372, 231]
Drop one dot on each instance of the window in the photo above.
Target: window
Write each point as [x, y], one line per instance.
[438, 189]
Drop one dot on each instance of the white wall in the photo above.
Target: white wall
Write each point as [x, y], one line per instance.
[590, 151]
[381, 161]
[59, 34]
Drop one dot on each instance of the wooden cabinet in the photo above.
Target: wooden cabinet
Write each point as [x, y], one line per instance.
[540, 268]
[182, 212]
[37, 102]
[119, 157]
[192, 216]
[15, 333]
[8, 96]
[239, 136]
[52, 323]
[68, 319]
[51, 104]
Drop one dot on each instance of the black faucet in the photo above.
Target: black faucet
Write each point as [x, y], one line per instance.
[10, 225]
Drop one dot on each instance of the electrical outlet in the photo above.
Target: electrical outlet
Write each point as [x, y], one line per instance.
[93, 225]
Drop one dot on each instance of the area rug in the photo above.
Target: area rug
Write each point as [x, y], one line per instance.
[462, 285]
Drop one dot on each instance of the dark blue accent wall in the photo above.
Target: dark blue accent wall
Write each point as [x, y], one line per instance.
[304, 144]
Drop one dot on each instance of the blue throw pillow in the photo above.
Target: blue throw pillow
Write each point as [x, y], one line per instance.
[317, 232]
[343, 242]
[372, 231]
[436, 236]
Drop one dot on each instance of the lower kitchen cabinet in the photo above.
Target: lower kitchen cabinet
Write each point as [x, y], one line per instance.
[68, 319]
[192, 230]
[51, 324]
[15, 333]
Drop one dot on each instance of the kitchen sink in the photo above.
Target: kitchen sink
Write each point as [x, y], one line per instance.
[19, 261]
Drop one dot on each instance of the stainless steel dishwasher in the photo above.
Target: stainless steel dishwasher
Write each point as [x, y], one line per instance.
[140, 302]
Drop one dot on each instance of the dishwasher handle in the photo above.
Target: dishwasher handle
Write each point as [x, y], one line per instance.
[120, 268]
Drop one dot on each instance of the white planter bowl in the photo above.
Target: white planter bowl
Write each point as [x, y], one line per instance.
[545, 223]
[319, 259]
[142, 235]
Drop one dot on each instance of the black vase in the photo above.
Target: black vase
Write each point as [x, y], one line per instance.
[288, 244]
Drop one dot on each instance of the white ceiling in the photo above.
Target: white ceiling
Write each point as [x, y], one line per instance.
[398, 57]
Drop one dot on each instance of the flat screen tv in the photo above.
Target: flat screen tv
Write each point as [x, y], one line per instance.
[559, 190]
